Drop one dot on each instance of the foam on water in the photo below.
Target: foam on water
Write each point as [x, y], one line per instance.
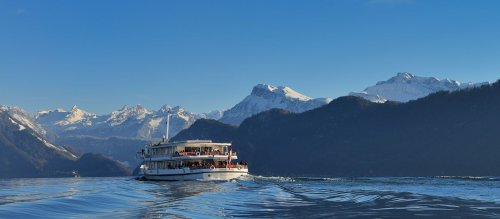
[252, 197]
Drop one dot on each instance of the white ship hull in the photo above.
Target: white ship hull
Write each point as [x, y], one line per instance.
[195, 174]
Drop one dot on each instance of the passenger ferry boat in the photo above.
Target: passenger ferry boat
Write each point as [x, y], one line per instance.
[190, 160]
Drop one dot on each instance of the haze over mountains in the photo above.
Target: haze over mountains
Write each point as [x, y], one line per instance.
[121, 133]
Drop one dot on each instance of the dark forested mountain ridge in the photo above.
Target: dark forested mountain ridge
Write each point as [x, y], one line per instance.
[208, 129]
[446, 133]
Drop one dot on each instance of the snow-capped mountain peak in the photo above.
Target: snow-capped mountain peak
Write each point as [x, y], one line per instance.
[403, 76]
[264, 97]
[266, 90]
[137, 112]
[406, 86]
[165, 108]
[76, 115]
[128, 121]
[60, 119]
[23, 119]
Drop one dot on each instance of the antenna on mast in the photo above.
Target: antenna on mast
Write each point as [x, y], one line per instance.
[168, 125]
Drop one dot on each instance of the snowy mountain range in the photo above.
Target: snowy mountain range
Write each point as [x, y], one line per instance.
[139, 122]
[142, 123]
[405, 87]
[129, 122]
[126, 130]
[265, 97]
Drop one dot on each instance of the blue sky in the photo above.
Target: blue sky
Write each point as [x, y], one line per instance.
[208, 55]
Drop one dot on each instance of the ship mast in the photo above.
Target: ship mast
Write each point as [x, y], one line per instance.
[168, 125]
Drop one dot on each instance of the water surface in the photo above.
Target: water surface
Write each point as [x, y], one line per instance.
[251, 197]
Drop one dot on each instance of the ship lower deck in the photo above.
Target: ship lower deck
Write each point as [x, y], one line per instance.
[195, 174]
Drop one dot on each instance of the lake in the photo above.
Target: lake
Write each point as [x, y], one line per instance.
[252, 197]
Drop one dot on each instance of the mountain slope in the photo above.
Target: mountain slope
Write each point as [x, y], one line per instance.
[265, 97]
[27, 154]
[405, 87]
[446, 133]
[24, 119]
[119, 149]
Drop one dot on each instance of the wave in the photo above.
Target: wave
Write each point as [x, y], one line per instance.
[365, 179]
[479, 178]
[254, 197]
[297, 179]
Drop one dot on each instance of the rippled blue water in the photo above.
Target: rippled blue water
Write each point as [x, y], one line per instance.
[252, 197]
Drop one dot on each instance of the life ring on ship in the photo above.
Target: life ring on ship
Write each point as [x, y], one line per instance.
[238, 166]
[212, 167]
[197, 153]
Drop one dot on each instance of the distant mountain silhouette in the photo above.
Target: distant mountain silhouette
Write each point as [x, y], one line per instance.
[446, 133]
[24, 153]
[406, 86]
[120, 149]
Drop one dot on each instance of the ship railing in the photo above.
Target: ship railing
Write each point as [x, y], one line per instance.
[212, 166]
[202, 153]
[183, 153]
[232, 166]
[238, 166]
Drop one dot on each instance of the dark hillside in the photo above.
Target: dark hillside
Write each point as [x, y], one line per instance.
[23, 153]
[208, 129]
[445, 133]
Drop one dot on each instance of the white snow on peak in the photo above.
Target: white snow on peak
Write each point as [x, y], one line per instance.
[135, 122]
[60, 119]
[214, 114]
[21, 127]
[139, 122]
[23, 119]
[265, 97]
[76, 115]
[284, 91]
[47, 112]
[126, 113]
[406, 86]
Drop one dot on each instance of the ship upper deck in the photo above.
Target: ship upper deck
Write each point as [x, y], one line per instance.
[188, 143]
[189, 150]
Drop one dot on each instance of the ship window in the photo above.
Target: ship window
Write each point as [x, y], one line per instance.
[192, 149]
